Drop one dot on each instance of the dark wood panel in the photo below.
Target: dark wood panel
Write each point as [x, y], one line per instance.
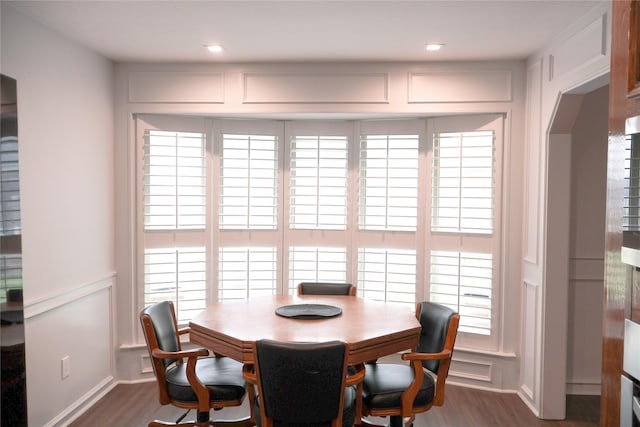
[618, 277]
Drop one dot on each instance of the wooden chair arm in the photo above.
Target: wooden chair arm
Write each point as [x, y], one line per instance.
[184, 330]
[356, 377]
[249, 374]
[191, 354]
[427, 356]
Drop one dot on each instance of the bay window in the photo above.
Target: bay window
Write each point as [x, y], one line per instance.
[407, 210]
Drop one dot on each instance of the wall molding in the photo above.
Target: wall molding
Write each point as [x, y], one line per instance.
[584, 47]
[84, 403]
[471, 86]
[52, 302]
[477, 371]
[176, 86]
[315, 88]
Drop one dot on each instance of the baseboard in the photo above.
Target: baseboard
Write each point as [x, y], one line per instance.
[81, 405]
[584, 389]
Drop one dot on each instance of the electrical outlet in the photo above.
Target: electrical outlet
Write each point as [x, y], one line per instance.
[66, 367]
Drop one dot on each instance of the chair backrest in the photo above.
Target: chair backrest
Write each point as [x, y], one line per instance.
[326, 288]
[439, 329]
[161, 332]
[301, 384]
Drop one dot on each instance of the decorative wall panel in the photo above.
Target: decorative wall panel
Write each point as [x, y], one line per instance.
[274, 88]
[166, 86]
[460, 86]
[532, 162]
[585, 46]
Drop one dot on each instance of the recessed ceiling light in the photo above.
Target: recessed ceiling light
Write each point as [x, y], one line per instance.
[433, 46]
[216, 48]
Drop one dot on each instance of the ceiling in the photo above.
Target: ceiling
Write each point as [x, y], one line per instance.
[309, 31]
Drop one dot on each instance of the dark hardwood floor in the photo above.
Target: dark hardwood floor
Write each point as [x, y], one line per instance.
[134, 405]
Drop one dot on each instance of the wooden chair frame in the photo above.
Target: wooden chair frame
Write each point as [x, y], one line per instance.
[408, 410]
[204, 404]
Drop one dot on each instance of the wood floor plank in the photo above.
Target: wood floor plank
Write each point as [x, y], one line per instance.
[134, 405]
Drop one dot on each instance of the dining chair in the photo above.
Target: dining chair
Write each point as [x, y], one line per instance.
[202, 383]
[326, 288]
[303, 384]
[400, 391]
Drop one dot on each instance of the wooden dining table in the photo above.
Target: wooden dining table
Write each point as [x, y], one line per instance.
[372, 329]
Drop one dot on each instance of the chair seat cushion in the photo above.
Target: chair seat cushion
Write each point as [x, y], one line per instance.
[348, 413]
[222, 375]
[384, 384]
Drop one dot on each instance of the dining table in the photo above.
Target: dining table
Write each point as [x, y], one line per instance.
[372, 329]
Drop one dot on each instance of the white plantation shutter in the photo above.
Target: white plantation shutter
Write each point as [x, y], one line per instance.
[318, 182]
[464, 238]
[177, 275]
[174, 180]
[246, 272]
[248, 182]
[463, 181]
[388, 182]
[464, 282]
[308, 264]
[173, 212]
[405, 209]
[387, 275]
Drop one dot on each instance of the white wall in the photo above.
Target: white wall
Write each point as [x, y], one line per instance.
[65, 129]
[578, 56]
[587, 246]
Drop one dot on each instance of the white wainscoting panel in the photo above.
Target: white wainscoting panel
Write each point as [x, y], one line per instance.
[306, 88]
[182, 86]
[465, 368]
[77, 325]
[530, 361]
[460, 86]
[532, 163]
[585, 46]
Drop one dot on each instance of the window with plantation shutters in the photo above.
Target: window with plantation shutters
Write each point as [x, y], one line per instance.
[463, 178]
[248, 182]
[464, 281]
[311, 264]
[247, 272]
[318, 182]
[174, 180]
[405, 209]
[388, 182]
[464, 240]
[178, 275]
[387, 274]
[173, 212]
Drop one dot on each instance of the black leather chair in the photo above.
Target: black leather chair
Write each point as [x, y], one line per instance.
[202, 383]
[303, 384]
[401, 391]
[326, 288]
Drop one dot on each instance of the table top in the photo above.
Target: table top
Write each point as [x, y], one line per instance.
[372, 329]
